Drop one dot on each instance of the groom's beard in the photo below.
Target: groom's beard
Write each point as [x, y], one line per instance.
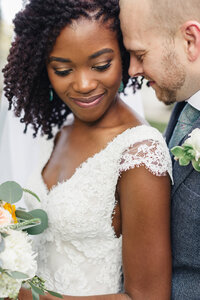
[173, 79]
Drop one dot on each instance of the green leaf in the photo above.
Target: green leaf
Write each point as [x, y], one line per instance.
[196, 165]
[36, 289]
[10, 192]
[35, 295]
[42, 215]
[184, 161]
[17, 275]
[2, 298]
[33, 194]
[55, 294]
[2, 245]
[187, 146]
[4, 235]
[177, 151]
[23, 215]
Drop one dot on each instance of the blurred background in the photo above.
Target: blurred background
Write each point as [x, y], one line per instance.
[155, 112]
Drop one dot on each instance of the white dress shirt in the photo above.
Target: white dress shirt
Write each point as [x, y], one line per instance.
[195, 100]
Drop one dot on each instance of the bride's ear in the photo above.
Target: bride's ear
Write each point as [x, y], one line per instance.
[191, 34]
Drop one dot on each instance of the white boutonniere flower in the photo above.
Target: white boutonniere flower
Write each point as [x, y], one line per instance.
[189, 151]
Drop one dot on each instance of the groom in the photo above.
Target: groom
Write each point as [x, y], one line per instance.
[163, 38]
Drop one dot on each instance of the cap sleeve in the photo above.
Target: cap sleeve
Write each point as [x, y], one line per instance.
[149, 153]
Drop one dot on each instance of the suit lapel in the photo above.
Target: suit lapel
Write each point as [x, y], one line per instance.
[180, 172]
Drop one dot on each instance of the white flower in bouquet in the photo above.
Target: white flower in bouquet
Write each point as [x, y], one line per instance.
[9, 287]
[18, 253]
[17, 259]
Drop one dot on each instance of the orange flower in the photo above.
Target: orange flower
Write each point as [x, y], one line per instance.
[11, 208]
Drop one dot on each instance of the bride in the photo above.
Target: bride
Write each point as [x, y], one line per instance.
[103, 176]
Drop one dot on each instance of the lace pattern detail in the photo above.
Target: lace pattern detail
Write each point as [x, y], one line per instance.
[149, 154]
[79, 254]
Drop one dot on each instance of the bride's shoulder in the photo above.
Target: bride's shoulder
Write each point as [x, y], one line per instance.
[142, 133]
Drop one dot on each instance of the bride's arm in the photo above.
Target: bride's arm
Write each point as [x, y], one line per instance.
[145, 210]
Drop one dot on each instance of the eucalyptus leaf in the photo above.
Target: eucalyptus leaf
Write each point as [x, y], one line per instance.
[196, 165]
[10, 192]
[2, 298]
[4, 235]
[184, 161]
[23, 215]
[55, 294]
[17, 275]
[42, 215]
[36, 289]
[177, 151]
[35, 295]
[32, 193]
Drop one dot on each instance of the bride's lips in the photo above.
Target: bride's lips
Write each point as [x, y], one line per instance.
[88, 102]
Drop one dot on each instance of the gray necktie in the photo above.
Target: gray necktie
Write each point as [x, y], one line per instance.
[185, 122]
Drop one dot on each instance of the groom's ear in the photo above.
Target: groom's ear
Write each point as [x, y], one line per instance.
[191, 34]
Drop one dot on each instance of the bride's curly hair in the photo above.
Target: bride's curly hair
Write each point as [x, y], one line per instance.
[36, 28]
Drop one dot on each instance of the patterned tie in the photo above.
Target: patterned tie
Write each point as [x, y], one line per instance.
[185, 122]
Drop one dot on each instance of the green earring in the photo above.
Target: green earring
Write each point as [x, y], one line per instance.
[121, 88]
[50, 94]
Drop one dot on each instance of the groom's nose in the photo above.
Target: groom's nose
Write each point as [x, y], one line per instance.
[135, 68]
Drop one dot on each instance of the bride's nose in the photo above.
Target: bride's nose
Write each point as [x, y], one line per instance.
[84, 82]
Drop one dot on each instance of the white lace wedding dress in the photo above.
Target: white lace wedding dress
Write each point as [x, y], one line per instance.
[79, 254]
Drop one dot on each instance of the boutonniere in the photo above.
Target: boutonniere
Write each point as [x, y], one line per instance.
[189, 151]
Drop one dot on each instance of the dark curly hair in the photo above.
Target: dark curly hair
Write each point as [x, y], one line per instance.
[37, 27]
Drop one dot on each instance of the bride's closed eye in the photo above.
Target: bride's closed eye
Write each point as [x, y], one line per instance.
[63, 73]
[102, 67]
[99, 67]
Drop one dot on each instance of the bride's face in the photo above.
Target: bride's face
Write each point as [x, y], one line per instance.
[85, 69]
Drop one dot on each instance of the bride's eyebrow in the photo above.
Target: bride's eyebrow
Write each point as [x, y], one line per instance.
[100, 52]
[59, 59]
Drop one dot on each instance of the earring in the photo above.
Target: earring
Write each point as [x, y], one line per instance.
[121, 88]
[50, 94]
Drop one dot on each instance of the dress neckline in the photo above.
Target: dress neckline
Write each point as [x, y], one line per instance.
[85, 162]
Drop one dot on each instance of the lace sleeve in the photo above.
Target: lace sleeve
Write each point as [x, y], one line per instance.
[151, 154]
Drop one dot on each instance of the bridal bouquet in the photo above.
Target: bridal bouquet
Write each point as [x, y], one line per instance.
[17, 260]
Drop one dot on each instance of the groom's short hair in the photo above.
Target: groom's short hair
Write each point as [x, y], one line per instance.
[170, 14]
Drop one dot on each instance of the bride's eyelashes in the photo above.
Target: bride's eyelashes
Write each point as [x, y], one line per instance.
[102, 67]
[99, 68]
[63, 73]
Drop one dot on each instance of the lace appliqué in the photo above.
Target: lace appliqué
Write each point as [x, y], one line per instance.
[149, 154]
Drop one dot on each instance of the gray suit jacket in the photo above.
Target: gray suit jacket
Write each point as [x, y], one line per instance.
[185, 223]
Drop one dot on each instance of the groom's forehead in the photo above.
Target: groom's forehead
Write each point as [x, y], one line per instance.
[134, 15]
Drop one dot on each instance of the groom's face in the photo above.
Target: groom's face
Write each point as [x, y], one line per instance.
[152, 54]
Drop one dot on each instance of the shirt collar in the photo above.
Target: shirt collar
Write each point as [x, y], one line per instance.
[194, 100]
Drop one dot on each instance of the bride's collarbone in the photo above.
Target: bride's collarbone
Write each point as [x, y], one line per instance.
[72, 148]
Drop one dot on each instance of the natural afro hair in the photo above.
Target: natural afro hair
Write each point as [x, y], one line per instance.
[36, 28]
